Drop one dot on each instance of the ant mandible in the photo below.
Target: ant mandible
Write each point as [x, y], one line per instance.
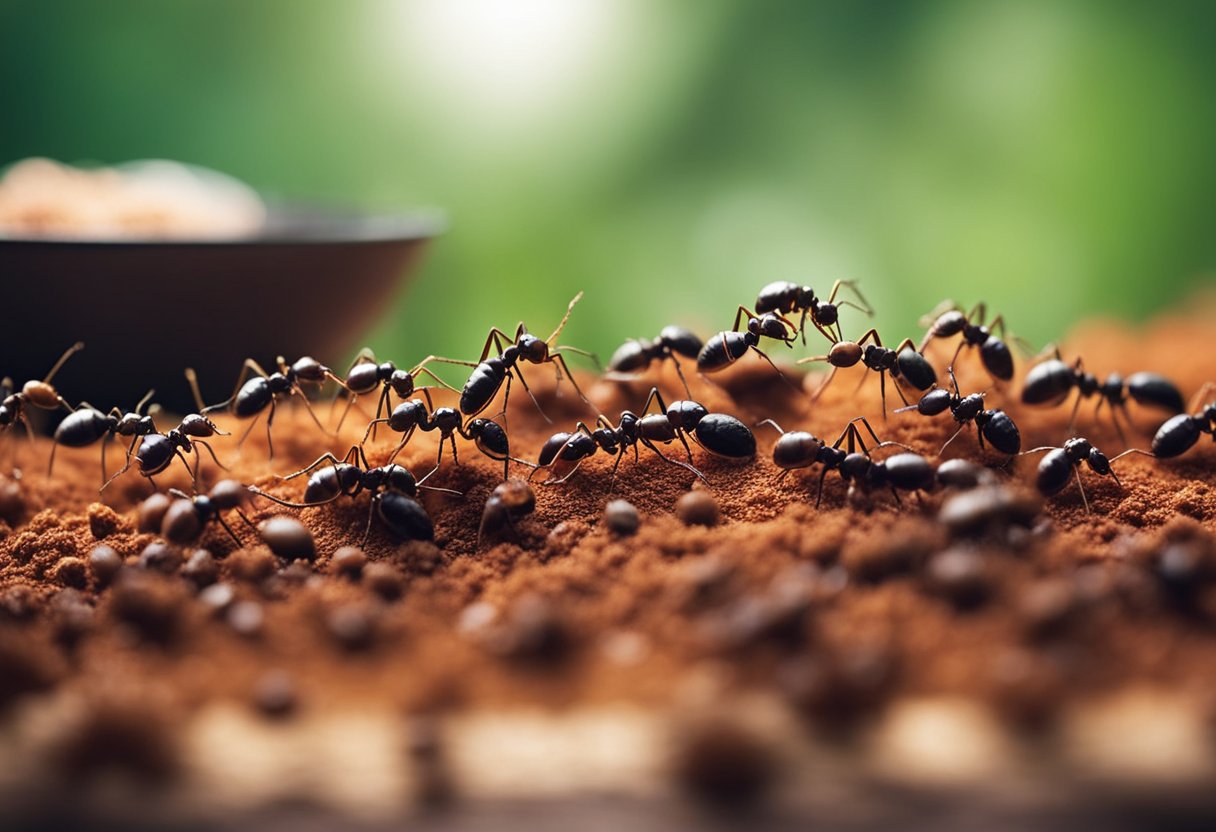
[994, 352]
[1050, 382]
[785, 298]
[489, 372]
[251, 396]
[903, 363]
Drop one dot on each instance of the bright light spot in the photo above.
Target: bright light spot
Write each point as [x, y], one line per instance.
[505, 60]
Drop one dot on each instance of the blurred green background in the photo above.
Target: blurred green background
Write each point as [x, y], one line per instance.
[1052, 158]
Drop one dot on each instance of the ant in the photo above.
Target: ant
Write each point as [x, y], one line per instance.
[39, 394]
[902, 472]
[1050, 382]
[718, 433]
[634, 356]
[156, 451]
[394, 492]
[1180, 433]
[994, 425]
[409, 416]
[1059, 462]
[489, 372]
[801, 449]
[366, 374]
[725, 348]
[785, 298]
[251, 396]
[184, 520]
[903, 363]
[994, 352]
[85, 425]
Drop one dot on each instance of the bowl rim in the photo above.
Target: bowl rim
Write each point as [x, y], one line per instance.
[318, 227]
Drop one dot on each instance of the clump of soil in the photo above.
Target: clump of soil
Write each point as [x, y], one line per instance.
[840, 609]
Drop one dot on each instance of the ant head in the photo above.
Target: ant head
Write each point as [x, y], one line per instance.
[532, 349]
[1099, 462]
[308, 369]
[770, 326]
[827, 314]
[197, 425]
[401, 382]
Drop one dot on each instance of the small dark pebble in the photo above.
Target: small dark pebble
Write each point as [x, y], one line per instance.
[697, 508]
[724, 765]
[246, 618]
[104, 521]
[160, 557]
[181, 523]
[508, 503]
[152, 512]
[151, 604]
[12, 502]
[72, 617]
[201, 568]
[978, 510]
[621, 518]
[384, 579]
[275, 695]
[533, 631]
[288, 538]
[351, 625]
[960, 576]
[71, 572]
[217, 597]
[104, 563]
[348, 561]
[19, 603]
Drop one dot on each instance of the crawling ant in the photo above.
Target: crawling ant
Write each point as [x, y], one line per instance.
[902, 472]
[366, 374]
[251, 396]
[800, 449]
[994, 425]
[39, 394]
[1059, 462]
[394, 492]
[489, 372]
[994, 352]
[785, 298]
[87, 424]
[409, 416]
[1180, 433]
[185, 519]
[725, 348]
[634, 356]
[903, 363]
[156, 451]
[1050, 382]
[719, 433]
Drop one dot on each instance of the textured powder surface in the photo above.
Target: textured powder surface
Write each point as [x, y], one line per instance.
[840, 609]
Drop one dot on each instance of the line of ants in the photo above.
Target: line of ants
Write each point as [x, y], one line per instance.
[258, 392]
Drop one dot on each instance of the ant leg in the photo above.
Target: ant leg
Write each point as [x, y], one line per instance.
[557, 359]
[254, 489]
[211, 451]
[303, 398]
[370, 432]
[367, 530]
[819, 390]
[405, 437]
[770, 422]
[595, 359]
[743, 311]
[998, 323]
[68, 353]
[1076, 469]
[422, 369]
[680, 372]
[124, 468]
[852, 285]
[192, 378]
[323, 458]
[1072, 419]
[777, 369]
[871, 334]
[269, 422]
[900, 390]
[684, 442]
[802, 324]
[452, 441]
[1114, 419]
[652, 397]
[561, 325]
[495, 339]
[951, 439]
[240, 543]
[51, 463]
[950, 367]
[524, 382]
[671, 461]
[246, 520]
[869, 429]
[1201, 394]
[819, 494]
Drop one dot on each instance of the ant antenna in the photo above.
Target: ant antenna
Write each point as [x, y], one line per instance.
[569, 308]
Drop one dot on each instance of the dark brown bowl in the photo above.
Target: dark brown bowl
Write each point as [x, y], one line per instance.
[313, 283]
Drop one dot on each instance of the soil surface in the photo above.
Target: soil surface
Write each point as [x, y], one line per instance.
[840, 609]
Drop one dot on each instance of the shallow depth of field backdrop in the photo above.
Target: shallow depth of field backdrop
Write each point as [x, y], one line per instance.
[1055, 159]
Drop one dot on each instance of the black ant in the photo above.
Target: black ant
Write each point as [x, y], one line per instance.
[903, 363]
[366, 374]
[407, 417]
[1050, 382]
[489, 372]
[394, 492]
[718, 433]
[994, 425]
[994, 352]
[1180, 433]
[785, 298]
[634, 356]
[39, 394]
[1059, 462]
[902, 472]
[800, 449]
[156, 451]
[87, 424]
[251, 396]
[725, 348]
[185, 519]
